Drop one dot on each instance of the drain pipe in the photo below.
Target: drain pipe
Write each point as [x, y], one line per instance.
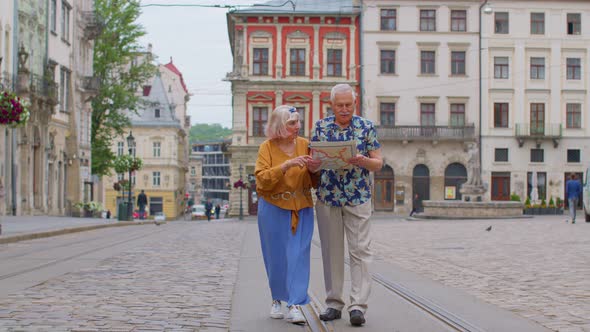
[488, 10]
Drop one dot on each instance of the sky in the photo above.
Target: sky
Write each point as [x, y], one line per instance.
[197, 41]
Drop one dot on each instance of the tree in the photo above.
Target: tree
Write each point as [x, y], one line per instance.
[205, 132]
[118, 62]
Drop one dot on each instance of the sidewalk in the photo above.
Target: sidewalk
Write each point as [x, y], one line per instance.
[20, 228]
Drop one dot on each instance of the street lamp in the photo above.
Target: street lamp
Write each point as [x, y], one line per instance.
[130, 145]
[241, 168]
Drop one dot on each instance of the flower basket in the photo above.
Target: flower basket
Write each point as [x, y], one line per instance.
[240, 184]
[14, 112]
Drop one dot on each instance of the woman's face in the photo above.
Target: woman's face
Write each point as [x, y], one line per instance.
[293, 127]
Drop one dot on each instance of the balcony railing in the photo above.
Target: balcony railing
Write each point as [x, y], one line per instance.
[92, 25]
[426, 133]
[538, 132]
[5, 81]
[38, 86]
[91, 84]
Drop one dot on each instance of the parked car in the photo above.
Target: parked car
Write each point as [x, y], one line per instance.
[159, 217]
[586, 195]
[198, 212]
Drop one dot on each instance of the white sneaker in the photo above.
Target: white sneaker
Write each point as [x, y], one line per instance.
[295, 316]
[275, 310]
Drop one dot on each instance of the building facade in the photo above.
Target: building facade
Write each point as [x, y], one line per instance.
[160, 131]
[420, 87]
[215, 170]
[285, 53]
[535, 91]
[52, 49]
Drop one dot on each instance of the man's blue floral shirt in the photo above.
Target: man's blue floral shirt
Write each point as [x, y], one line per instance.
[346, 187]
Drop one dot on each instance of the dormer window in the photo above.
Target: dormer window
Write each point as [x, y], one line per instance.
[157, 113]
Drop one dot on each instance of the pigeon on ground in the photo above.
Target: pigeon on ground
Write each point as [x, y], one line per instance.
[489, 228]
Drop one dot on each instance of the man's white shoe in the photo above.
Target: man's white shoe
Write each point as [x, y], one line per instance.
[295, 316]
[275, 310]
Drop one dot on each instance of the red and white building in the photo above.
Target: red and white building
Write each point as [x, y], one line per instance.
[291, 54]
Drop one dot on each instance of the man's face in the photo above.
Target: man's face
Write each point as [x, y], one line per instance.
[343, 106]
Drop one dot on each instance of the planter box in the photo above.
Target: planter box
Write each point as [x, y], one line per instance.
[543, 211]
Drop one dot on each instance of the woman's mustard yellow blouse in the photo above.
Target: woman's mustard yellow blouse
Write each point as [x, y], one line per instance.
[289, 191]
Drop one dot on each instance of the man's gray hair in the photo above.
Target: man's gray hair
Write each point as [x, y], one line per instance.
[342, 88]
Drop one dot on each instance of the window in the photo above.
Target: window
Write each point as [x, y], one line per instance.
[573, 69]
[157, 113]
[387, 62]
[427, 20]
[260, 61]
[133, 178]
[388, 19]
[297, 62]
[65, 20]
[156, 179]
[329, 112]
[573, 116]
[120, 176]
[501, 154]
[501, 22]
[120, 148]
[387, 112]
[537, 68]
[427, 115]
[193, 170]
[573, 155]
[133, 149]
[259, 119]
[427, 62]
[64, 90]
[501, 115]
[53, 16]
[301, 111]
[537, 118]
[537, 155]
[458, 63]
[457, 115]
[537, 23]
[574, 24]
[501, 67]
[334, 62]
[458, 20]
[541, 181]
[157, 147]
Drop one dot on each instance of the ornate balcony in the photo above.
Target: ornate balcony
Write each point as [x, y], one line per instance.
[5, 81]
[93, 26]
[90, 84]
[426, 133]
[540, 132]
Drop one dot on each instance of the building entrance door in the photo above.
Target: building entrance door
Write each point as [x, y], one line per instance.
[421, 183]
[384, 180]
[500, 186]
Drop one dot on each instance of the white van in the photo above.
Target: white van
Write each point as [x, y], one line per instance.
[586, 195]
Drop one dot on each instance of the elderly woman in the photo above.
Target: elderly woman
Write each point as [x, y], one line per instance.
[285, 211]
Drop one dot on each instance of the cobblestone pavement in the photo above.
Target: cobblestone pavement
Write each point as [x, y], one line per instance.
[181, 281]
[537, 268]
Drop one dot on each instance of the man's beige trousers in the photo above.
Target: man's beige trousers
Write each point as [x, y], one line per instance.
[333, 222]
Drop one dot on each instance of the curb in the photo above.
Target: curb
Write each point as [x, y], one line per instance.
[31, 236]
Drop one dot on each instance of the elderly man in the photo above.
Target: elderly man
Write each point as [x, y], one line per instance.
[344, 206]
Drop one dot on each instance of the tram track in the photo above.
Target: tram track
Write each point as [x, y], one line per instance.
[452, 321]
[121, 241]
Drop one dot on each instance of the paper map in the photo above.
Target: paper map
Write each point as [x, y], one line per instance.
[333, 154]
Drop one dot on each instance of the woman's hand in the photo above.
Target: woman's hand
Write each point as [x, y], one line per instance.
[300, 161]
[313, 165]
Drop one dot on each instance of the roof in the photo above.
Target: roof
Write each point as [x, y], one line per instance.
[302, 7]
[175, 70]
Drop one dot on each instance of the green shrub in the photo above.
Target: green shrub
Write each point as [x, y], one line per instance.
[514, 197]
[543, 203]
[527, 202]
[551, 202]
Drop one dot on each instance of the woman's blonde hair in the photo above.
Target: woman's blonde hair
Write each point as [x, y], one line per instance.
[277, 124]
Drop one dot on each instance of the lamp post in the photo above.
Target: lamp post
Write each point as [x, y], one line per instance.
[241, 217]
[130, 145]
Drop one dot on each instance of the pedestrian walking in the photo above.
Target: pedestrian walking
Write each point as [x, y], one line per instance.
[344, 206]
[573, 190]
[415, 204]
[142, 202]
[217, 211]
[208, 210]
[285, 212]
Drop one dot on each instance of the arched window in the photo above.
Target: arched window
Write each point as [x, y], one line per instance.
[383, 196]
[455, 176]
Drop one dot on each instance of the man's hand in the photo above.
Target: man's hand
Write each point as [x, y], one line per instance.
[313, 165]
[359, 160]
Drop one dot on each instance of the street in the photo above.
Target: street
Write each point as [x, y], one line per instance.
[200, 276]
